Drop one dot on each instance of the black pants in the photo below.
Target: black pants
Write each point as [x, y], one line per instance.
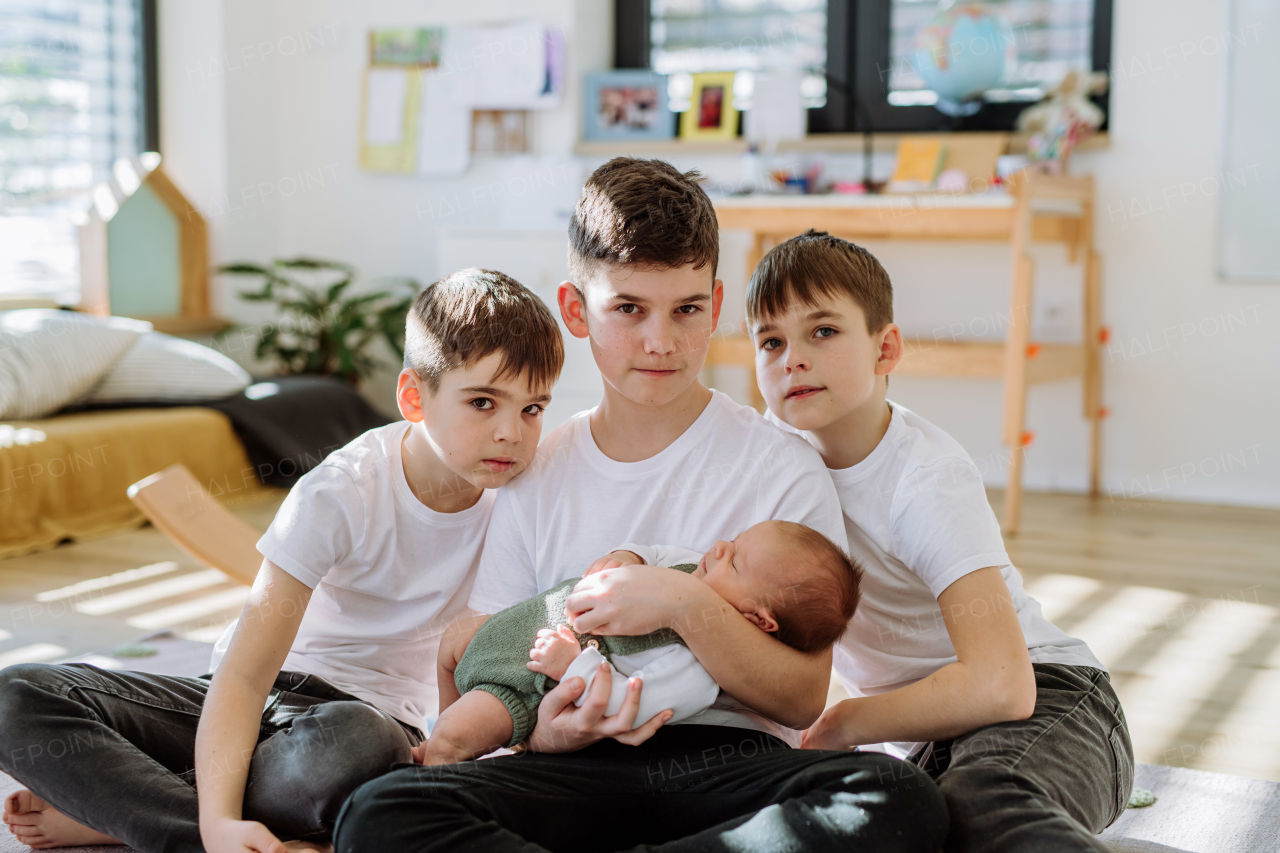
[688, 788]
[1047, 783]
[116, 751]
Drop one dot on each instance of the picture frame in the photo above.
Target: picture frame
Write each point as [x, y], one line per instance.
[711, 116]
[626, 105]
[410, 47]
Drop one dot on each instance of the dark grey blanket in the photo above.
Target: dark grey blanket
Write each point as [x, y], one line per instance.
[288, 424]
[290, 430]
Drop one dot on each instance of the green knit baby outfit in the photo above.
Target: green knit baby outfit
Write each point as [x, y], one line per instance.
[495, 660]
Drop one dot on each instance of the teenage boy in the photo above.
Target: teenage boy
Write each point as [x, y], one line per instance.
[662, 458]
[372, 553]
[947, 655]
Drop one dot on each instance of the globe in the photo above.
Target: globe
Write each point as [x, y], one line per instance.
[961, 53]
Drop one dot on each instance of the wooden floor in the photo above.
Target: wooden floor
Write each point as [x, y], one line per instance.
[1181, 602]
[86, 596]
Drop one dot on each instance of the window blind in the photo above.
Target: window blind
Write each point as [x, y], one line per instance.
[71, 99]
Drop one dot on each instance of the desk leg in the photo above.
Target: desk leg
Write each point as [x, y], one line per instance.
[1015, 386]
[1093, 366]
[754, 254]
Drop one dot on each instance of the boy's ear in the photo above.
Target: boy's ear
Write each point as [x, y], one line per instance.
[889, 342]
[409, 395]
[572, 309]
[717, 302]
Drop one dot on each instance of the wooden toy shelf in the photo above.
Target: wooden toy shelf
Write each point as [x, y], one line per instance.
[1037, 208]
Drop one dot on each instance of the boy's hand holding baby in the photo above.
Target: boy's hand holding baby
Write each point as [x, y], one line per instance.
[614, 560]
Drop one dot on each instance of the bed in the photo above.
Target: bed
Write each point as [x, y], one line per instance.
[90, 405]
[65, 477]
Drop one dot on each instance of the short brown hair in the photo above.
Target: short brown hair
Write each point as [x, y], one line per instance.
[813, 613]
[468, 315]
[642, 212]
[814, 265]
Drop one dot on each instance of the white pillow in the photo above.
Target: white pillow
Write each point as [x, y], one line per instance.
[49, 358]
[164, 368]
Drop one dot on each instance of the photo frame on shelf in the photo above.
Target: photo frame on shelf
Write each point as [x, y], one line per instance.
[626, 105]
[711, 116]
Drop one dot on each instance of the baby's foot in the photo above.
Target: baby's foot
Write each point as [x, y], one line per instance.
[553, 651]
[39, 825]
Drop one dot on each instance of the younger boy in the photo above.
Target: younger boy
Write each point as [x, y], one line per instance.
[787, 579]
[1016, 720]
[372, 553]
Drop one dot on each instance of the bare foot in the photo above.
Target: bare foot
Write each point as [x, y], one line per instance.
[39, 825]
[316, 846]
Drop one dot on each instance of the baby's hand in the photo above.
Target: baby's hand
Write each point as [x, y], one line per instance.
[554, 651]
[613, 560]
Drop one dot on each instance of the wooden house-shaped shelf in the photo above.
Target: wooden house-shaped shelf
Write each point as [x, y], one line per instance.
[144, 251]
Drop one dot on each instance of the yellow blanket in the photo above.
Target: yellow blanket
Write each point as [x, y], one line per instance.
[66, 477]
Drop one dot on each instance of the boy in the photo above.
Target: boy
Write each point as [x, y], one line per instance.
[661, 459]
[1016, 720]
[787, 579]
[370, 555]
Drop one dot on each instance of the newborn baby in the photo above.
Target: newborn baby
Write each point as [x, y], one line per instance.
[788, 579]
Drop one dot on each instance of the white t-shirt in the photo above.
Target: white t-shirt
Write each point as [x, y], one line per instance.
[389, 574]
[729, 470]
[917, 519]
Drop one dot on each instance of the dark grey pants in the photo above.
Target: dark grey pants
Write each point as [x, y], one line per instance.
[116, 751]
[1047, 783]
[688, 789]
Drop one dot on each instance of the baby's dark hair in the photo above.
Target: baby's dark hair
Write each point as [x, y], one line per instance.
[813, 613]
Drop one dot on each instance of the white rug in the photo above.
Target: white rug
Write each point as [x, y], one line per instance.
[1199, 812]
[1195, 812]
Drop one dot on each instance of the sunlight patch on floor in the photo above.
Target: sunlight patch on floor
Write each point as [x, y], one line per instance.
[1246, 736]
[1057, 594]
[108, 581]
[34, 653]
[1162, 699]
[191, 610]
[1120, 622]
[151, 592]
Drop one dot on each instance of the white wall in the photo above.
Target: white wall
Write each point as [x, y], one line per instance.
[1193, 370]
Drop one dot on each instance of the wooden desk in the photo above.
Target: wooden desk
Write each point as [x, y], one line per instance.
[1037, 208]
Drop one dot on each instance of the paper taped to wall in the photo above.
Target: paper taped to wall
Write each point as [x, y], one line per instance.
[384, 106]
[496, 68]
[444, 130]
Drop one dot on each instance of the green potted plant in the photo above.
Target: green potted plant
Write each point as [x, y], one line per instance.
[324, 330]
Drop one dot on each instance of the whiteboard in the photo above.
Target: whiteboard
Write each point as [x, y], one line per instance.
[1249, 188]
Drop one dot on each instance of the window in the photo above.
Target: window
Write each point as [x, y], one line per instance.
[1049, 37]
[77, 92]
[689, 36]
[858, 54]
